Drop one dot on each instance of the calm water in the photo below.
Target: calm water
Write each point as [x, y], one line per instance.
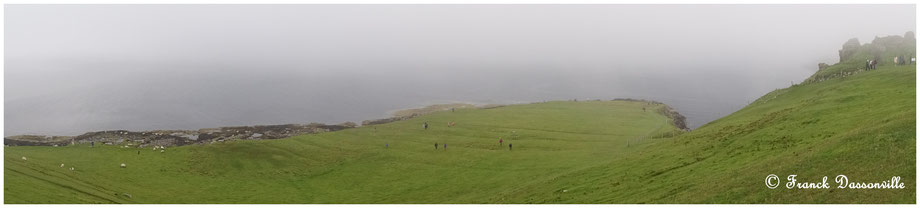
[73, 102]
[70, 69]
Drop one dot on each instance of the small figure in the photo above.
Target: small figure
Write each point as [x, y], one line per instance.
[435, 145]
[445, 146]
[509, 146]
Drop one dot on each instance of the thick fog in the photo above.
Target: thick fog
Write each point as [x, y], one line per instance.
[76, 68]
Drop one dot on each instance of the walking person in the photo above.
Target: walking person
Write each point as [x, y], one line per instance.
[445, 146]
[509, 146]
[435, 145]
[425, 125]
[500, 141]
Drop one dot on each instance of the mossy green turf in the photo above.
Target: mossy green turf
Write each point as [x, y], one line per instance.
[550, 140]
[862, 126]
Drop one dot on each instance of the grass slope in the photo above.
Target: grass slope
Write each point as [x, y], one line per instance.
[861, 126]
[840, 121]
[551, 140]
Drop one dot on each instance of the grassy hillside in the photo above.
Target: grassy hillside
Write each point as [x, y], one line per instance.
[860, 124]
[842, 120]
[549, 140]
[564, 152]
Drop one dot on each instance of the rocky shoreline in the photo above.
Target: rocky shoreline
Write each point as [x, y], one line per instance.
[169, 138]
[677, 119]
[177, 137]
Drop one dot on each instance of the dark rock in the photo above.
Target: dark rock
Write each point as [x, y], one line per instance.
[178, 137]
[849, 48]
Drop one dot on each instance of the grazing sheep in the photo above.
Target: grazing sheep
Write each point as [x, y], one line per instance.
[62, 165]
[162, 151]
[24, 158]
[71, 168]
[123, 165]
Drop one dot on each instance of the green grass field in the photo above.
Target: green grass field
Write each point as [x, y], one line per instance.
[550, 141]
[861, 125]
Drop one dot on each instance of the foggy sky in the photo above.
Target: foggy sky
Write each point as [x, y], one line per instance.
[76, 68]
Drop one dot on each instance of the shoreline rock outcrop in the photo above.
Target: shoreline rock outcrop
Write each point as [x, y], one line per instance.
[678, 120]
[169, 138]
[176, 137]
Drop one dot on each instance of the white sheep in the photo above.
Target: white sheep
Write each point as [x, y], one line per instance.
[71, 168]
[24, 158]
[123, 165]
[162, 151]
[62, 165]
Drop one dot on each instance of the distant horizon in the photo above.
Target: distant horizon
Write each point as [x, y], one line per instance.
[72, 69]
[390, 114]
[469, 104]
